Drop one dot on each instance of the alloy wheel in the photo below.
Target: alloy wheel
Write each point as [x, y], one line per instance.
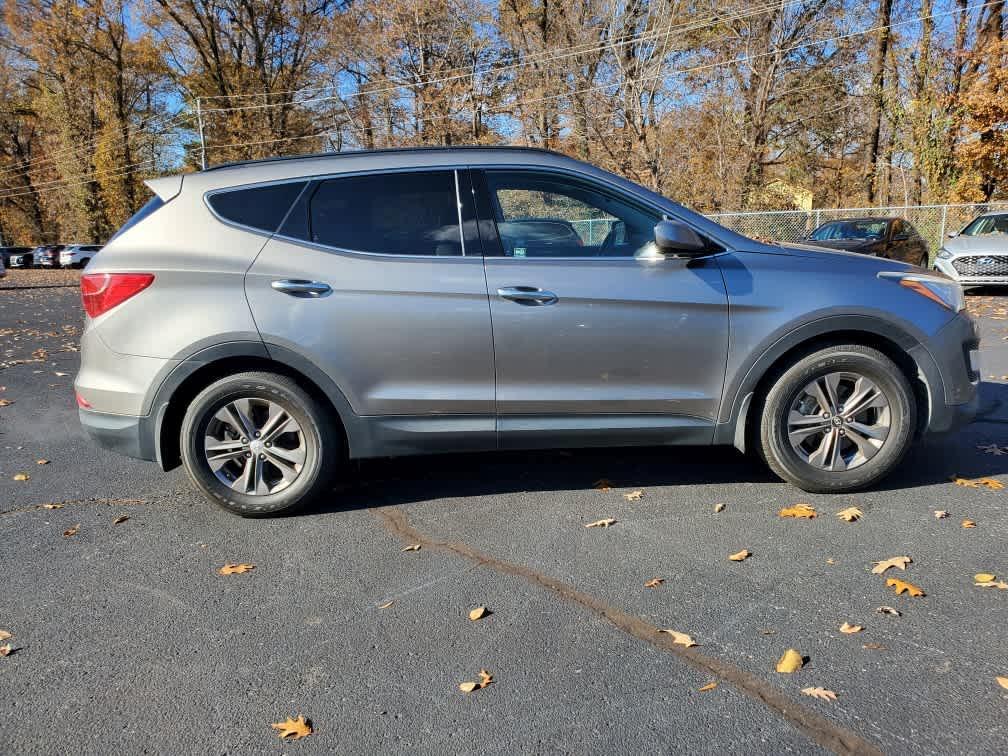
[255, 446]
[838, 421]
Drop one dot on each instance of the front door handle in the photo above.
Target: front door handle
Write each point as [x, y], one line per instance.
[297, 287]
[528, 295]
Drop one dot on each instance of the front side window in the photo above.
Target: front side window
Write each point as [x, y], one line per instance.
[548, 215]
[413, 213]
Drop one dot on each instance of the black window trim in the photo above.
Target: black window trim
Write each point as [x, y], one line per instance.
[494, 248]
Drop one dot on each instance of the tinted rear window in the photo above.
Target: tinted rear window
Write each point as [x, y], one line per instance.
[413, 213]
[260, 207]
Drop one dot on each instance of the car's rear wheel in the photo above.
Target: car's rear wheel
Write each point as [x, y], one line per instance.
[258, 444]
[838, 420]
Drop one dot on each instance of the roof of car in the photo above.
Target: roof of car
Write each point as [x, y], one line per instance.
[378, 152]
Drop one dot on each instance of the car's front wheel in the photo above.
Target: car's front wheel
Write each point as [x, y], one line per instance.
[258, 444]
[838, 419]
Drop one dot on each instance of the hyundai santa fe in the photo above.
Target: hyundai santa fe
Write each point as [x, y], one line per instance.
[260, 323]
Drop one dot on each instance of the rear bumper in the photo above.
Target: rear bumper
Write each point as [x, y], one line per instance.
[126, 434]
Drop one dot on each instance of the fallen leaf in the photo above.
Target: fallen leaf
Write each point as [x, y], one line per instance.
[873, 646]
[848, 629]
[22, 476]
[1002, 681]
[899, 562]
[821, 693]
[120, 519]
[768, 631]
[1000, 584]
[739, 556]
[798, 511]
[72, 531]
[718, 508]
[235, 569]
[293, 729]
[6, 650]
[968, 524]
[414, 547]
[62, 375]
[654, 582]
[991, 449]
[52, 506]
[386, 605]
[991, 483]
[831, 561]
[601, 523]
[711, 686]
[901, 586]
[889, 610]
[485, 679]
[633, 495]
[6, 402]
[4, 635]
[791, 662]
[851, 514]
[478, 613]
[984, 577]
[41, 461]
[602, 484]
[940, 514]
[679, 639]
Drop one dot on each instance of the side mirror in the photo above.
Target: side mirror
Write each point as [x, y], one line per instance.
[674, 238]
[953, 234]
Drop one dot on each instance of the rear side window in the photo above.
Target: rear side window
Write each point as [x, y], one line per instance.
[260, 207]
[415, 213]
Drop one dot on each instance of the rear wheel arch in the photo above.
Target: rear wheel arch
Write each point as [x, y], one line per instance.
[190, 378]
[743, 424]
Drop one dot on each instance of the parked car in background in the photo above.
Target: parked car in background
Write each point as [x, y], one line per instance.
[6, 253]
[3, 268]
[23, 259]
[48, 256]
[891, 238]
[261, 323]
[977, 255]
[78, 255]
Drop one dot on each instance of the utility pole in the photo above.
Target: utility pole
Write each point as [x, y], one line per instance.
[202, 139]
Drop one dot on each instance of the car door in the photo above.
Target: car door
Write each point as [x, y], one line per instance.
[372, 279]
[597, 339]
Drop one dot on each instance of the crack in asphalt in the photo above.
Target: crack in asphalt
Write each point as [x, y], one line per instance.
[819, 729]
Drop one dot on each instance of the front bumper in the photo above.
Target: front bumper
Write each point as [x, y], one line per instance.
[951, 375]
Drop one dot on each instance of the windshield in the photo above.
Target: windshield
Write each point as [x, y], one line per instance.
[987, 224]
[861, 229]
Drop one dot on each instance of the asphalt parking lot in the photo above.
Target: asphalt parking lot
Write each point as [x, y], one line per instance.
[127, 640]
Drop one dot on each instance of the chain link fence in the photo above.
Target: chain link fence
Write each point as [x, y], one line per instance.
[933, 222]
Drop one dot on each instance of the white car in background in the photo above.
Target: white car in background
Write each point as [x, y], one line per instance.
[977, 255]
[78, 255]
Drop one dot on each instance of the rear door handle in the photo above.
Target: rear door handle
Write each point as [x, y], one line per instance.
[528, 295]
[297, 287]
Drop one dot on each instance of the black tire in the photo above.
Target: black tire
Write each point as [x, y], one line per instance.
[787, 389]
[322, 443]
[925, 261]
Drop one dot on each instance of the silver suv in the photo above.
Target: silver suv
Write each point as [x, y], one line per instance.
[260, 323]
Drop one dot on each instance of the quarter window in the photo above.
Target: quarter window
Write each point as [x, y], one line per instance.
[546, 215]
[412, 213]
[259, 207]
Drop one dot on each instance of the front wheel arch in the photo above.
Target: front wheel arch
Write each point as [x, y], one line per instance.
[745, 428]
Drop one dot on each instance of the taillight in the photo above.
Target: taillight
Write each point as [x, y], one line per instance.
[100, 292]
[81, 401]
